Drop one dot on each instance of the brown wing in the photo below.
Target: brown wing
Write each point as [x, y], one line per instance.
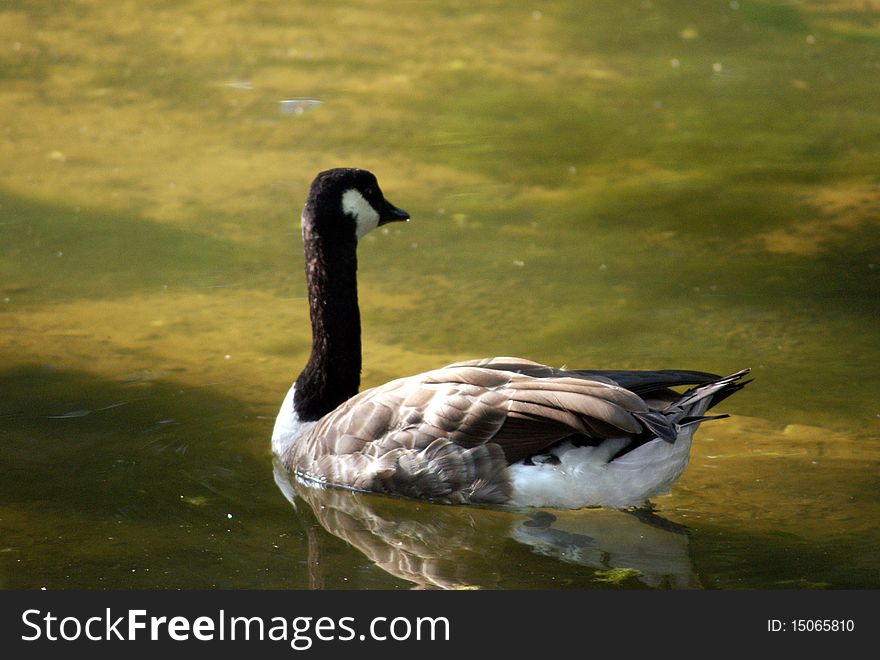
[450, 433]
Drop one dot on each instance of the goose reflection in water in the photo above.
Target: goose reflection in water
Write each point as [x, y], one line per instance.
[436, 546]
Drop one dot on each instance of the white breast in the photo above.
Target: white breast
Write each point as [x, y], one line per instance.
[288, 426]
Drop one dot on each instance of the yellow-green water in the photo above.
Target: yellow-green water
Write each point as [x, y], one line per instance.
[638, 184]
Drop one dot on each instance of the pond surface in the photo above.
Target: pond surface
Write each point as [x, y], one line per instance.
[645, 184]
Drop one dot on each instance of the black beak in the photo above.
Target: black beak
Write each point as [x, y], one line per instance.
[392, 214]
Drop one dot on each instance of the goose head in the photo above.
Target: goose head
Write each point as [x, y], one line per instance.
[347, 202]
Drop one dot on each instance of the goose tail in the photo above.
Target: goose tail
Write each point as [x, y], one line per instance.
[688, 409]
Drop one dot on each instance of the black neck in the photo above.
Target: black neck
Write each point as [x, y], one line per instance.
[333, 372]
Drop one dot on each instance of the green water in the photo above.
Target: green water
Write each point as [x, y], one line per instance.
[605, 184]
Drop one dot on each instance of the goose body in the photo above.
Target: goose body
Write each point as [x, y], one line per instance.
[495, 431]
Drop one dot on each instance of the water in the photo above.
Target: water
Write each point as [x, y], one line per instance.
[618, 185]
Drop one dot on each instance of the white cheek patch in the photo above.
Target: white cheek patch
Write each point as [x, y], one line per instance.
[365, 216]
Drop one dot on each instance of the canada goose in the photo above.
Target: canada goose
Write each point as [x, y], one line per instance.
[493, 431]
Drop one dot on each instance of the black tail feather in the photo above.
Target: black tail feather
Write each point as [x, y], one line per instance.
[691, 421]
[665, 424]
[658, 424]
[733, 388]
[717, 390]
